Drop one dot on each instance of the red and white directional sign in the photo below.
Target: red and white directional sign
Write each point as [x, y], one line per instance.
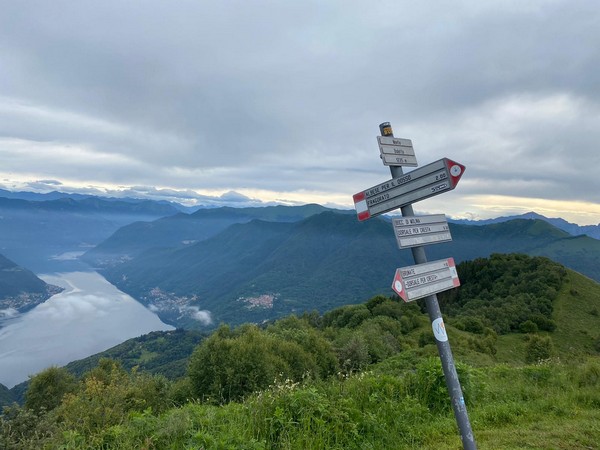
[433, 179]
[421, 280]
[396, 151]
[421, 230]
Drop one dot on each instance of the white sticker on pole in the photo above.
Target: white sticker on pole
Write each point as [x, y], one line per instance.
[439, 330]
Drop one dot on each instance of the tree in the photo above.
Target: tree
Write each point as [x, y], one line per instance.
[47, 388]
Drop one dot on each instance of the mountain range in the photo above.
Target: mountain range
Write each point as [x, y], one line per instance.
[42, 235]
[257, 270]
[562, 224]
[182, 230]
[251, 264]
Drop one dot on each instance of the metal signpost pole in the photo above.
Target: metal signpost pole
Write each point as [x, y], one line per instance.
[437, 323]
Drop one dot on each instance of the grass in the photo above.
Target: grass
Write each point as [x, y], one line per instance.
[401, 403]
[576, 311]
[543, 406]
[534, 407]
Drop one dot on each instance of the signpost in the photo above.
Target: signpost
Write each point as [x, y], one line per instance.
[424, 279]
[421, 280]
[421, 230]
[397, 152]
[433, 179]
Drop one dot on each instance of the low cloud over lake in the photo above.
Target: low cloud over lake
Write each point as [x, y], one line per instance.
[90, 316]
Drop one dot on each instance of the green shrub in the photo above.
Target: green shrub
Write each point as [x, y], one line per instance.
[354, 355]
[23, 428]
[538, 348]
[47, 388]
[428, 384]
[426, 337]
[471, 324]
[589, 374]
[484, 344]
[230, 365]
[181, 391]
[108, 394]
[528, 327]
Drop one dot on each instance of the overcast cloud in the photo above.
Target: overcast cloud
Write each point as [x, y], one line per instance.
[281, 100]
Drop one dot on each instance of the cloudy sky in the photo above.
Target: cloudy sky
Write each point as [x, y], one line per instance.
[280, 101]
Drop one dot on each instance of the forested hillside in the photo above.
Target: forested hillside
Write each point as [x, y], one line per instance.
[160, 352]
[21, 289]
[182, 230]
[261, 270]
[356, 376]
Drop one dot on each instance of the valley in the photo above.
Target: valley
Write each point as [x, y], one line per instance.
[320, 262]
[303, 292]
[360, 366]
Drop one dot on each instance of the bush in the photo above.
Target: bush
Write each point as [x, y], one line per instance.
[312, 341]
[47, 388]
[230, 365]
[543, 323]
[538, 348]
[425, 338]
[528, 327]
[471, 324]
[589, 374]
[354, 355]
[484, 344]
[108, 394]
[428, 384]
[349, 316]
[23, 428]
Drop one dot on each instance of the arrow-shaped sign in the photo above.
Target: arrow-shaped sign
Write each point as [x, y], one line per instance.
[419, 184]
[421, 280]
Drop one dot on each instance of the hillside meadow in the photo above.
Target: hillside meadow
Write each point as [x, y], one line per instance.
[363, 376]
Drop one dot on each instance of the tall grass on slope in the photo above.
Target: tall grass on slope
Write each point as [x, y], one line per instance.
[542, 406]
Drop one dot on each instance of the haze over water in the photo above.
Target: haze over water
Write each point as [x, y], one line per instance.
[89, 316]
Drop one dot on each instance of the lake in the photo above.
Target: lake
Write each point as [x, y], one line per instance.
[89, 316]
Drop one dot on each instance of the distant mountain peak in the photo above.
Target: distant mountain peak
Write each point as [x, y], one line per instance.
[592, 231]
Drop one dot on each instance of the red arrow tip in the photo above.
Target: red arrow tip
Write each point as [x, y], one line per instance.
[397, 285]
[456, 171]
